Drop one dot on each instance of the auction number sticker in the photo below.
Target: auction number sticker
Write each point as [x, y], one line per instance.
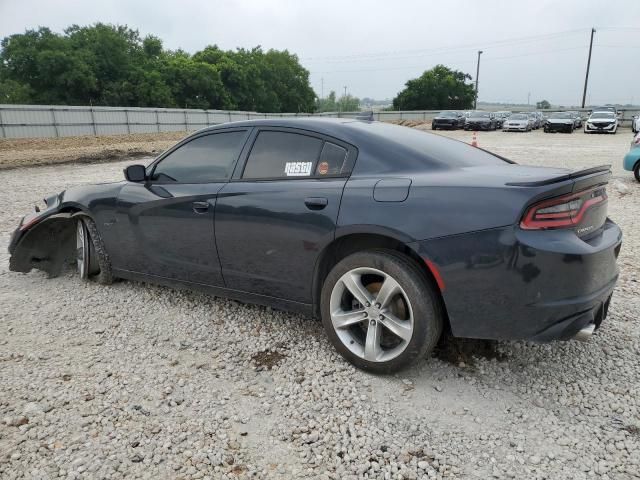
[298, 169]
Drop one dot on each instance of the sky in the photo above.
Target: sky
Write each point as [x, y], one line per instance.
[532, 50]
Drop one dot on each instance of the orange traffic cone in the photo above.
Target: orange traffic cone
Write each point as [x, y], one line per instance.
[474, 140]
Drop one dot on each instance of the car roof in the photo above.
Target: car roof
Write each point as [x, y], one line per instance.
[377, 142]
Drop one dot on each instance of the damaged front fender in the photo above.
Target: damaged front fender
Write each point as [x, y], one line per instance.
[48, 245]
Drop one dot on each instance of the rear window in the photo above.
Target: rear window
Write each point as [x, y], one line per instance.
[399, 149]
[282, 155]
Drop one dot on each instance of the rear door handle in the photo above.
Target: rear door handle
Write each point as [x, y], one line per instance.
[316, 203]
[200, 207]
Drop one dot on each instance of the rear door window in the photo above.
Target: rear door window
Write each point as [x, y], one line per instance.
[282, 155]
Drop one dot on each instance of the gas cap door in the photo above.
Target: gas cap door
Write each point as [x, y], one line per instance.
[391, 190]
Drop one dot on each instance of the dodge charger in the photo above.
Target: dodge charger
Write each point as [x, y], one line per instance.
[388, 234]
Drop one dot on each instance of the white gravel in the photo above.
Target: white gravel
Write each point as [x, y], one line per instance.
[138, 381]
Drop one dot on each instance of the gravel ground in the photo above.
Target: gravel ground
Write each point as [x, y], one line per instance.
[138, 381]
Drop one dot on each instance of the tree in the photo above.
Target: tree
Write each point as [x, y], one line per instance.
[436, 89]
[346, 103]
[543, 105]
[112, 65]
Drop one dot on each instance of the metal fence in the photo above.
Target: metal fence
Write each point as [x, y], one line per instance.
[32, 121]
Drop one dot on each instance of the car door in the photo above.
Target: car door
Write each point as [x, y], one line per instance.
[280, 210]
[165, 224]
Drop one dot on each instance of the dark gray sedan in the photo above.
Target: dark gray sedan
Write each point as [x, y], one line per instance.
[389, 234]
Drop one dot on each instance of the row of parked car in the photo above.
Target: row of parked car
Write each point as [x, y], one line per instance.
[600, 120]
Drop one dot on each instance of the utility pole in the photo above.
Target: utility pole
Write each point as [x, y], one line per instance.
[322, 88]
[586, 77]
[528, 99]
[345, 91]
[475, 101]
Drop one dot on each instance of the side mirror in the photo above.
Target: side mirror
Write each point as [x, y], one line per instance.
[135, 173]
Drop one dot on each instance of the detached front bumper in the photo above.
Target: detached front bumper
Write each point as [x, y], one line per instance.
[512, 284]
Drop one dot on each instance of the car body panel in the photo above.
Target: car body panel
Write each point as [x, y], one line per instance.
[632, 157]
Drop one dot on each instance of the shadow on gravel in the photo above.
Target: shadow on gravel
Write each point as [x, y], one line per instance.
[456, 350]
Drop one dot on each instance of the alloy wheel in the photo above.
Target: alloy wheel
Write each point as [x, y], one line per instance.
[82, 247]
[371, 314]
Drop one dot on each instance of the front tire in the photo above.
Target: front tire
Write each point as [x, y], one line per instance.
[636, 171]
[380, 311]
[92, 260]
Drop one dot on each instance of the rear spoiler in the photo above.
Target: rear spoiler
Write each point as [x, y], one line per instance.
[604, 170]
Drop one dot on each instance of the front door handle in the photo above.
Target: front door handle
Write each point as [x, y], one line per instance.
[200, 207]
[316, 203]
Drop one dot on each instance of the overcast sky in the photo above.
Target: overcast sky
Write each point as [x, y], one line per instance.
[374, 47]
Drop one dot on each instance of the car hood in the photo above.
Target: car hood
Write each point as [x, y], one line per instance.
[479, 119]
[560, 120]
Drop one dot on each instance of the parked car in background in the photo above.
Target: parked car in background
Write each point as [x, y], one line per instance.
[518, 122]
[601, 122]
[388, 234]
[449, 119]
[479, 120]
[559, 122]
[632, 159]
[534, 120]
[577, 119]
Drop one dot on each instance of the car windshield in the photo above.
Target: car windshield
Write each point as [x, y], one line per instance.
[518, 116]
[560, 115]
[448, 114]
[602, 115]
[480, 114]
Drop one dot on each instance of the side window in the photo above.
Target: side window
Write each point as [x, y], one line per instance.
[332, 160]
[204, 159]
[282, 154]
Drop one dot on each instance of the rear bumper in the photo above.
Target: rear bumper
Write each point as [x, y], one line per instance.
[511, 284]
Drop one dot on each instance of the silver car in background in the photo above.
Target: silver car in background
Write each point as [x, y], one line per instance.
[517, 122]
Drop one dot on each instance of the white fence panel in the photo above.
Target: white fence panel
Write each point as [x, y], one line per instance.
[21, 121]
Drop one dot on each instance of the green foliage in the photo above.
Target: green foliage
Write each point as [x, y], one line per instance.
[346, 103]
[543, 105]
[436, 89]
[112, 65]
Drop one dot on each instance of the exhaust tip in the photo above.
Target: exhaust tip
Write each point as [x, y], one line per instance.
[585, 333]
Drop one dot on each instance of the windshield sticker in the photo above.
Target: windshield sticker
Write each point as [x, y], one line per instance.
[297, 169]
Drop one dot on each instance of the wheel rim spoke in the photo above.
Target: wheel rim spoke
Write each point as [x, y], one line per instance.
[372, 347]
[388, 290]
[400, 328]
[344, 319]
[354, 284]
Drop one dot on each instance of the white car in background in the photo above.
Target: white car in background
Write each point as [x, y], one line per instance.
[635, 124]
[601, 122]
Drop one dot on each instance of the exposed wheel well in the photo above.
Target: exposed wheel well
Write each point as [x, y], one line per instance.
[345, 246]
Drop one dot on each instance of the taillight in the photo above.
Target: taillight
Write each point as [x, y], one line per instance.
[562, 212]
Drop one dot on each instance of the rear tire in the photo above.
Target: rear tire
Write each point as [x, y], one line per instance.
[93, 261]
[393, 319]
[636, 171]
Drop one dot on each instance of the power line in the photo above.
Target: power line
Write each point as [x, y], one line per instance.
[489, 58]
[495, 44]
